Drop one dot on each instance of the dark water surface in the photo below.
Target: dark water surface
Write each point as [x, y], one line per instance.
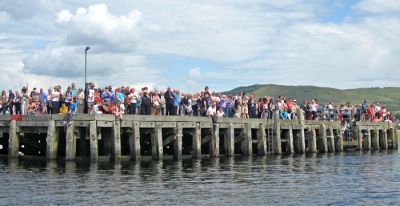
[342, 179]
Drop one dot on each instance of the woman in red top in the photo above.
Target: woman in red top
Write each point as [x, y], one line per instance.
[371, 112]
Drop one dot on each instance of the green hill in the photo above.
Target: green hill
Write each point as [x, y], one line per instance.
[389, 96]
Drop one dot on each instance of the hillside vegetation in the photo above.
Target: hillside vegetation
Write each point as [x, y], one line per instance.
[389, 96]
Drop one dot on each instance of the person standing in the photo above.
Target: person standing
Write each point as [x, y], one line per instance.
[146, 102]
[17, 103]
[133, 101]
[55, 99]
[24, 100]
[156, 104]
[10, 101]
[49, 103]
[4, 102]
[169, 101]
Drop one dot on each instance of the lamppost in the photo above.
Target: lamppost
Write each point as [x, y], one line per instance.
[85, 107]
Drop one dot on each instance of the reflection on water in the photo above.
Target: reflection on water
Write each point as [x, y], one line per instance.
[344, 179]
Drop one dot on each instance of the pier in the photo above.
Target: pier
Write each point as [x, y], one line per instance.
[94, 136]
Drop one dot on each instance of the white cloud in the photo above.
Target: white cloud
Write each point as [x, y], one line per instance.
[95, 26]
[3, 16]
[195, 73]
[379, 6]
[247, 42]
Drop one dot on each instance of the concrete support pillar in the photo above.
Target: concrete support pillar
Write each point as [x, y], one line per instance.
[313, 140]
[359, 138]
[384, 140]
[339, 141]
[71, 142]
[367, 140]
[289, 137]
[214, 143]
[94, 141]
[178, 142]
[331, 140]
[230, 141]
[13, 140]
[301, 141]
[51, 141]
[134, 142]
[196, 142]
[116, 140]
[375, 140]
[157, 143]
[247, 145]
[262, 140]
[323, 145]
[276, 139]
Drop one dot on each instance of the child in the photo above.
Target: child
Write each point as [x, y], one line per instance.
[63, 109]
[73, 108]
[115, 111]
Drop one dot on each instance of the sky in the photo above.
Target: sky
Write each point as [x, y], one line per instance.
[189, 44]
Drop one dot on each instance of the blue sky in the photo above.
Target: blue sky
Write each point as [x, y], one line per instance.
[189, 44]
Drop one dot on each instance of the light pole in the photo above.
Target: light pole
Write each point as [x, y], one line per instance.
[85, 107]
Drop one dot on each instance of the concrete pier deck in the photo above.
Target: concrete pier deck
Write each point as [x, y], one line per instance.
[157, 136]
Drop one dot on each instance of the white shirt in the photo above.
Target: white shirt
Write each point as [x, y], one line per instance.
[91, 95]
[56, 96]
[211, 111]
[133, 97]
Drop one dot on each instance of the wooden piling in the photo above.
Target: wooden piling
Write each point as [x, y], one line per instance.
[93, 139]
[247, 141]
[214, 143]
[367, 140]
[116, 140]
[331, 140]
[384, 137]
[157, 142]
[51, 141]
[196, 142]
[359, 139]
[178, 142]
[70, 142]
[393, 138]
[323, 146]
[313, 140]
[289, 137]
[276, 139]
[230, 141]
[375, 140]
[134, 142]
[13, 140]
[301, 141]
[339, 140]
[262, 140]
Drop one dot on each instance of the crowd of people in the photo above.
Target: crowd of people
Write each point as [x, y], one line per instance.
[128, 100]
